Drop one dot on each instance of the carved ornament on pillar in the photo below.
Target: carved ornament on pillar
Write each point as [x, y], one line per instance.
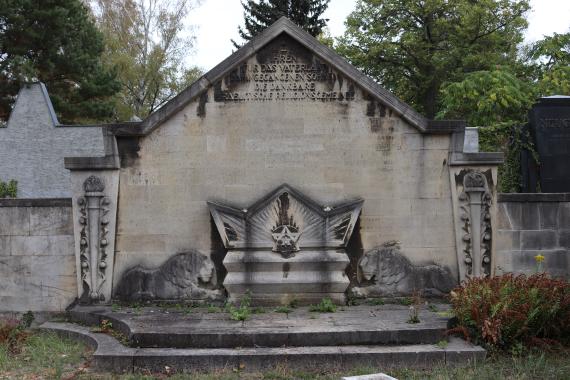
[94, 222]
[475, 213]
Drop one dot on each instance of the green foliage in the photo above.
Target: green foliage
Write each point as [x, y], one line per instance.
[433, 308]
[259, 15]
[241, 312]
[9, 189]
[507, 310]
[27, 319]
[443, 344]
[413, 48]
[283, 309]
[375, 301]
[406, 301]
[511, 140]
[56, 42]
[325, 306]
[147, 42]
[497, 102]
[485, 98]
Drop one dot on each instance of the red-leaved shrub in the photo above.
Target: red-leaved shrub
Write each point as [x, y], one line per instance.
[513, 309]
[12, 334]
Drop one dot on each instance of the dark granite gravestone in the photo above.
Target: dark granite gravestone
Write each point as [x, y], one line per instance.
[549, 122]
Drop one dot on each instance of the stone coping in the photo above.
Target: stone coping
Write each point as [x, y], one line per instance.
[110, 355]
[533, 197]
[35, 202]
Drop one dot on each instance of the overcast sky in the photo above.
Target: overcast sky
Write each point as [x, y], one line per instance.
[216, 22]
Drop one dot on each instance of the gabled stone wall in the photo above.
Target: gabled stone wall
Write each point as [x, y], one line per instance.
[33, 145]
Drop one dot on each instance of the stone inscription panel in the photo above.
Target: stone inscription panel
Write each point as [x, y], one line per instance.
[283, 76]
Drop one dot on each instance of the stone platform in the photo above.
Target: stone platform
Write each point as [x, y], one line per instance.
[377, 336]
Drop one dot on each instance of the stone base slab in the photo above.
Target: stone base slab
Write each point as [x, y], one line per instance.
[110, 355]
[271, 279]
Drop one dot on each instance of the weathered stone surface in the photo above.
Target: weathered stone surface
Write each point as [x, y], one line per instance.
[238, 148]
[556, 262]
[58, 245]
[530, 216]
[95, 196]
[286, 247]
[508, 240]
[544, 239]
[391, 273]
[33, 145]
[548, 215]
[38, 264]
[109, 355]
[564, 237]
[14, 221]
[181, 277]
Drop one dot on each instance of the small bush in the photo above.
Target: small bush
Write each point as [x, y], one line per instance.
[13, 334]
[325, 306]
[507, 310]
[8, 189]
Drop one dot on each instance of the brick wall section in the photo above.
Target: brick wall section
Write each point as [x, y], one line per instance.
[37, 260]
[532, 224]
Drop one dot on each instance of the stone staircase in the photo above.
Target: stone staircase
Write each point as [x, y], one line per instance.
[370, 336]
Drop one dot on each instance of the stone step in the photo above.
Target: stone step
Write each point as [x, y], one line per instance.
[110, 355]
[363, 325]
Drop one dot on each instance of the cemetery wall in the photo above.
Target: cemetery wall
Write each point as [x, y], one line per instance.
[37, 260]
[530, 224]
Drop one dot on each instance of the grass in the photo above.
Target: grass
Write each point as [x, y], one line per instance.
[42, 355]
[46, 356]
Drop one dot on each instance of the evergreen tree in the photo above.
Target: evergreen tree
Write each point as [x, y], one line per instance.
[305, 13]
[56, 42]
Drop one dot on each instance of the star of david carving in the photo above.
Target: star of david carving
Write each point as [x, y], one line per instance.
[286, 240]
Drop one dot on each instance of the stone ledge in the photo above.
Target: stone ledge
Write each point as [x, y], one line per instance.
[36, 202]
[110, 355]
[533, 197]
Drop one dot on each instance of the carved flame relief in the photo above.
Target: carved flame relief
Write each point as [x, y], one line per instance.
[286, 221]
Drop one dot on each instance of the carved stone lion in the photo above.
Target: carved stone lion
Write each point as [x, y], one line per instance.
[188, 275]
[392, 274]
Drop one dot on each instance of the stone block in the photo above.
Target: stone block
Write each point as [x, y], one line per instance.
[548, 215]
[564, 238]
[545, 239]
[42, 245]
[5, 246]
[14, 221]
[564, 215]
[513, 213]
[51, 221]
[507, 240]
[555, 262]
[530, 216]
[503, 221]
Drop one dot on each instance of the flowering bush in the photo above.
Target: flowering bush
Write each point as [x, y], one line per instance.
[506, 310]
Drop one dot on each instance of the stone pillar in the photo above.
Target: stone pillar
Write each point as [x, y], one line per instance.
[94, 209]
[474, 207]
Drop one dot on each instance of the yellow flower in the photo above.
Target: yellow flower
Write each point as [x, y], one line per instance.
[539, 258]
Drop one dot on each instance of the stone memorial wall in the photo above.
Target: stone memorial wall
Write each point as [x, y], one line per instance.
[37, 259]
